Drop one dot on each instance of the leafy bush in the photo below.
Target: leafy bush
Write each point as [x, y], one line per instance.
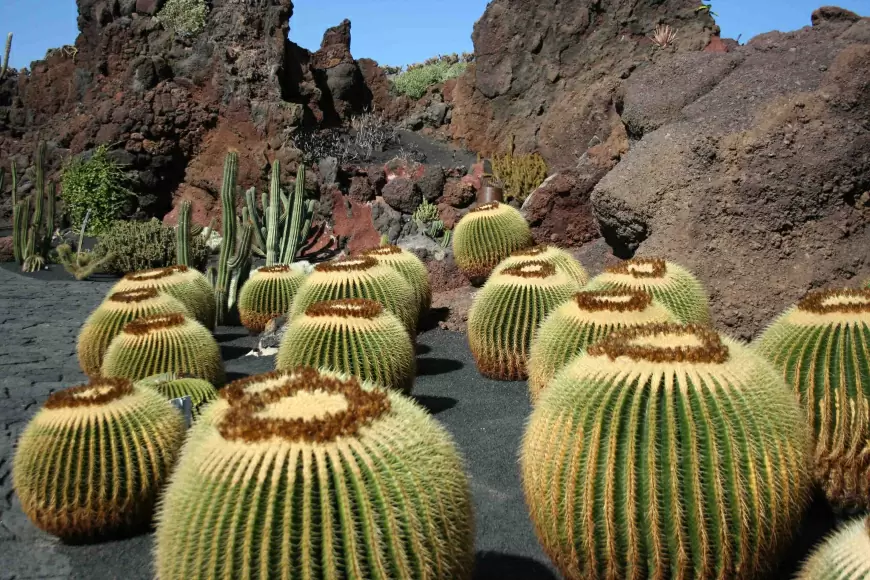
[184, 17]
[143, 245]
[414, 81]
[96, 184]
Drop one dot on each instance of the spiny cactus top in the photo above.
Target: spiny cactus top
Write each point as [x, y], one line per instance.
[164, 343]
[666, 451]
[189, 286]
[508, 310]
[582, 321]
[361, 277]
[268, 294]
[176, 385]
[410, 267]
[486, 235]
[671, 284]
[844, 556]
[94, 458]
[822, 348]
[318, 476]
[552, 254]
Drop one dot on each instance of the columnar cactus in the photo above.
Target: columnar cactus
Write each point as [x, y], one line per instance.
[822, 348]
[182, 235]
[508, 310]
[843, 556]
[362, 277]
[318, 477]
[410, 267]
[164, 343]
[106, 322]
[551, 254]
[582, 321]
[175, 385]
[92, 461]
[486, 235]
[666, 451]
[354, 336]
[671, 284]
[267, 294]
[189, 286]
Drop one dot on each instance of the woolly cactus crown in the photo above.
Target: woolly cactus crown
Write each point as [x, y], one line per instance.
[410, 267]
[551, 254]
[486, 235]
[268, 294]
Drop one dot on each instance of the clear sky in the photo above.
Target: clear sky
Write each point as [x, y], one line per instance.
[391, 31]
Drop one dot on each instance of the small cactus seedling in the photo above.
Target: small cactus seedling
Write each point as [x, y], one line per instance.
[353, 336]
[822, 348]
[508, 310]
[410, 267]
[551, 254]
[268, 294]
[93, 459]
[666, 451]
[669, 283]
[189, 286]
[164, 343]
[106, 322]
[318, 477]
[175, 386]
[486, 235]
[843, 556]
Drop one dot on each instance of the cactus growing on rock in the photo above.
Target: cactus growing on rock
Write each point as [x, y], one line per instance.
[319, 476]
[176, 385]
[666, 451]
[267, 294]
[822, 348]
[188, 286]
[845, 555]
[410, 267]
[486, 235]
[508, 310]
[353, 336]
[81, 469]
[552, 254]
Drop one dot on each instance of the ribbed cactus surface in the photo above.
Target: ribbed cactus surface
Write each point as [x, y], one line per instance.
[353, 336]
[670, 283]
[822, 348]
[843, 556]
[508, 310]
[666, 451]
[317, 477]
[486, 235]
[361, 277]
[410, 267]
[267, 294]
[164, 343]
[176, 386]
[92, 461]
[552, 254]
[580, 322]
[189, 286]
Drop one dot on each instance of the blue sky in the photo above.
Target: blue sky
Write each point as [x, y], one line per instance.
[392, 31]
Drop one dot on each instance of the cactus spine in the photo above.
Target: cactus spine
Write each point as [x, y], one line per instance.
[268, 294]
[845, 555]
[561, 259]
[188, 286]
[410, 267]
[182, 232]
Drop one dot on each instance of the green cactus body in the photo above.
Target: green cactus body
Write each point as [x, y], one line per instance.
[552, 255]
[174, 386]
[189, 286]
[362, 277]
[822, 348]
[92, 461]
[669, 283]
[585, 319]
[410, 267]
[164, 343]
[843, 556]
[353, 336]
[267, 294]
[508, 310]
[317, 477]
[106, 322]
[486, 235]
[666, 451]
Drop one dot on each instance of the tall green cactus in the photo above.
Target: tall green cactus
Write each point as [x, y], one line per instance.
[36, 248]
[6, 57]
[182, 233]
[296, 227]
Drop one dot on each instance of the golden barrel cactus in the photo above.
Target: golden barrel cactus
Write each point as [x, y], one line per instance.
[268, 294]
[486, 235]
[552, 254]
[188, 286]
[176, 386]
[845, 555]
[410, 267]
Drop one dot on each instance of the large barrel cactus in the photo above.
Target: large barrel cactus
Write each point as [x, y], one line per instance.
[318, 477]
[164, 343]
[354, 336]
[585, 319]
[189, 286]
[410, 267]
[106, 322]
[268, 294]
[176, 386]
[92, 461]
[844, 556]
[552, 254]
[486, 235]
[362, 277]
[508, 310]
[666, 451]
[671, 284]
[822, 348]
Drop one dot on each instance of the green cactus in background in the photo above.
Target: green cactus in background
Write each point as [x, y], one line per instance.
[666, 451]
[182, 231]
[319, 476]
[560, 258]
[6, 52]
[353, 336]
[520, 174]
[669, 283]
[822, 348]
[845, 555]
[174, 386]
[508, 310]
[94, 458]
[164, 343]
[268, 294]
[410, 267]
[32, 241]
[486, 235]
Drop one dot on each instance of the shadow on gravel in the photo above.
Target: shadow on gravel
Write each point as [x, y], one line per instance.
[233, 352]
[230, 336]
[435, 404]
[422, 348]
[432, 317]
[496, 566]
[437, 366]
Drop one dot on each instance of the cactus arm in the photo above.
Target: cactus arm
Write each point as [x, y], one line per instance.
[14, 184]
[49, 217]
[293, 227]
[6, 56]
[19, 219]
[254, 216]
[240, 264]
[182, 232]
[272, 215]
[228, 189]
[30, 254]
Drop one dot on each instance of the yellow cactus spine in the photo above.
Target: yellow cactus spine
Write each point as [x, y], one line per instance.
[552, 254]
[176, 385]
[267, 294]
[845, 555]
[410, 267]
[486, 235]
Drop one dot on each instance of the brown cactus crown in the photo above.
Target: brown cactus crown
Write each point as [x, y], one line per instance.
[485, 207]
[640, 268]
[346, 308]
[664, 343]
[358, 264]
[530, 251]
[97, 392]
[840, 301]
[137, 295]
[154, 322]
[613, 300]
[276, 269]
[531, 269]
[155, 273]
[307, 406]
[383, 251]
[254, 384]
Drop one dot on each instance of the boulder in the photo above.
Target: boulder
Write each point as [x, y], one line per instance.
[458, 193]
[560, 212]
[361, 189]
[386, 220]
[402, 194]
[431, 183]
[6, 253]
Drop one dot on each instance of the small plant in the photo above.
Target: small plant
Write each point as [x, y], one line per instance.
[371, 134]
[708, 8]
[663, 36]
[97, 184]
[426, 218]
[486, 235]
[518, 175]
[84, 263]
[184, 17]
[418, 78]
[131, 246]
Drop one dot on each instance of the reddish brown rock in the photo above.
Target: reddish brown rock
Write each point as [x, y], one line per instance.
[449, 215]
[458, 193]
[450, 307]
[716, 45]
[402, 194]
[353, 220]
[361, 189]
[149, 7]
[6, 253]
[560, 211]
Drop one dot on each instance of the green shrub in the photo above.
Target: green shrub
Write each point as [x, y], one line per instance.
[414, 82]
[97, 184]
[144, 245]
[184, 17]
